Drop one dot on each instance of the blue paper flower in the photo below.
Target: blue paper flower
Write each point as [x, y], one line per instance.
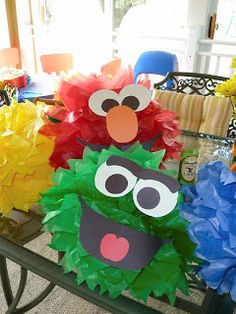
[211, 212]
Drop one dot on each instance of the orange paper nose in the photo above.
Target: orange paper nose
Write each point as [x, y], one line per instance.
[122, 124]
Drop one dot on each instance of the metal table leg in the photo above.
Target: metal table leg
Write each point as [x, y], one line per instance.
[5, 281]
[217, 304]
[53, 272]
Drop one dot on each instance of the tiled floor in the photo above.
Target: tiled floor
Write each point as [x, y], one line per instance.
[61, 301]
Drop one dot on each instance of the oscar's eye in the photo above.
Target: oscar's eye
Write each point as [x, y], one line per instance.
[137, 97]
[114, 181]
[154, 198]
[102, 101]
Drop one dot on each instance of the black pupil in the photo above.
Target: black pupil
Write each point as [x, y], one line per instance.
[116, 184]
[148, 198]
[107, 104]
[131, 101]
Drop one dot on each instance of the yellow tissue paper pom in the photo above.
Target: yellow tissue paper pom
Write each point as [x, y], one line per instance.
[24, 168]
[2, 84]
[227, 88]
[233, 63]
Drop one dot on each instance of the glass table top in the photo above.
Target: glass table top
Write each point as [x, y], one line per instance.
[21, 227]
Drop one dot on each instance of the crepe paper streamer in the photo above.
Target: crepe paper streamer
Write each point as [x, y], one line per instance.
[101, 235]
[24, 167]
[77, 126]
[211, 212]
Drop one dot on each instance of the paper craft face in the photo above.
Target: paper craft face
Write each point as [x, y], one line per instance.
[115, 216]
[100, 112]
[154, 193]
[120, 110]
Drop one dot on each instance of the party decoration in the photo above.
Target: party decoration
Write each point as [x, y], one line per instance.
[16, 77]
[101, 111]
[108, 239]
[233, 166]
[211, 213]
[4, 98]
[228, 89]
[24, 168]
[232, 125]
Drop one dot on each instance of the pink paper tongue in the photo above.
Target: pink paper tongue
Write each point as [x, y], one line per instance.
[113, 248]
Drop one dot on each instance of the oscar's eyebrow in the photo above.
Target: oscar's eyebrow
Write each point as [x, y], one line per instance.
[143, 173]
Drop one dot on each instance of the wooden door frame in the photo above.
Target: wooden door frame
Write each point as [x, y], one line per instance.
[13, 27]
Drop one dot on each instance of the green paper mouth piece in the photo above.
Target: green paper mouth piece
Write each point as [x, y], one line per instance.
[53, 120]
[61, 204]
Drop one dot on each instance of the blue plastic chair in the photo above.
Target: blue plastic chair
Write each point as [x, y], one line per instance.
[155, 62]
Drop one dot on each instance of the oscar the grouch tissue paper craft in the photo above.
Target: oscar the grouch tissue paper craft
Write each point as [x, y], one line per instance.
[101, 111]
[115, 216]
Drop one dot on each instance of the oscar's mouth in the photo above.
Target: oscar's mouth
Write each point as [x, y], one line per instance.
[115, 244]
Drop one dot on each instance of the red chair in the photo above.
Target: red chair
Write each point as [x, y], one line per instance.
[56, 62]
[112, 67]
[9, 57]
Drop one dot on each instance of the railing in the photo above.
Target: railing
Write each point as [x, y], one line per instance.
[194, 54]
[214, 56]
[147, 41]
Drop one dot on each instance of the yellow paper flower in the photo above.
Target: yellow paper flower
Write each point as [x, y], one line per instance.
[233, 63]
[24, 167]
[2, 84]
[227, 88]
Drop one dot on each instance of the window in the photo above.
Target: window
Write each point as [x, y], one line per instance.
[97, 30]
[153, 25]
[226, 20]
[226, 31]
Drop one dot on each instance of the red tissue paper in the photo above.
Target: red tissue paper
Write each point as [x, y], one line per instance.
[75, 126]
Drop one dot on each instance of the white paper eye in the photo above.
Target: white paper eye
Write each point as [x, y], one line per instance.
[114, 181]
[135, 96]
[102, 101]
[153, 198]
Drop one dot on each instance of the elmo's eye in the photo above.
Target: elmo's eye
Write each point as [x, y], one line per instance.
[114, 181]
[137, 97]
[102, 101]
[154, 198]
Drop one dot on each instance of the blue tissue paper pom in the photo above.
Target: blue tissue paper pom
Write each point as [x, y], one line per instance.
[211, 211]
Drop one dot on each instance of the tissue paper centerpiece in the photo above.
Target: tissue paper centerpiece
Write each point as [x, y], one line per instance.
[115, 216]
[24, 166]
[101, 111]
[211, 212]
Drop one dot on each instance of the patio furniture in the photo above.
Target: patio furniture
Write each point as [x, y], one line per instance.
[192, 97]
[111, 67]
[9, 57]
[56, 62]
[155, 62]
